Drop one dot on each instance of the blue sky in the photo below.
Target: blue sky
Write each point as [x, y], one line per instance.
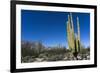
[50, 27]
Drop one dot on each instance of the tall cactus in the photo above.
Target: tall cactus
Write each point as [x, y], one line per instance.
[78, 29]
[70, 33]
[73, 40]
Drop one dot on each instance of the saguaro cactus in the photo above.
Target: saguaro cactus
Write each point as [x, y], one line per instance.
[73, 39]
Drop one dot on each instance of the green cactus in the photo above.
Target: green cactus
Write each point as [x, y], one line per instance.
[73, 39]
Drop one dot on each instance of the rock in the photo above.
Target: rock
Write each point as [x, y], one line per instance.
[31, 60]
[88, 57]
[25, 59]
[39, 59]
[79, 57]
[66, 58]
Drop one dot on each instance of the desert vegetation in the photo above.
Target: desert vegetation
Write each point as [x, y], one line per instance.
[37, 52]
